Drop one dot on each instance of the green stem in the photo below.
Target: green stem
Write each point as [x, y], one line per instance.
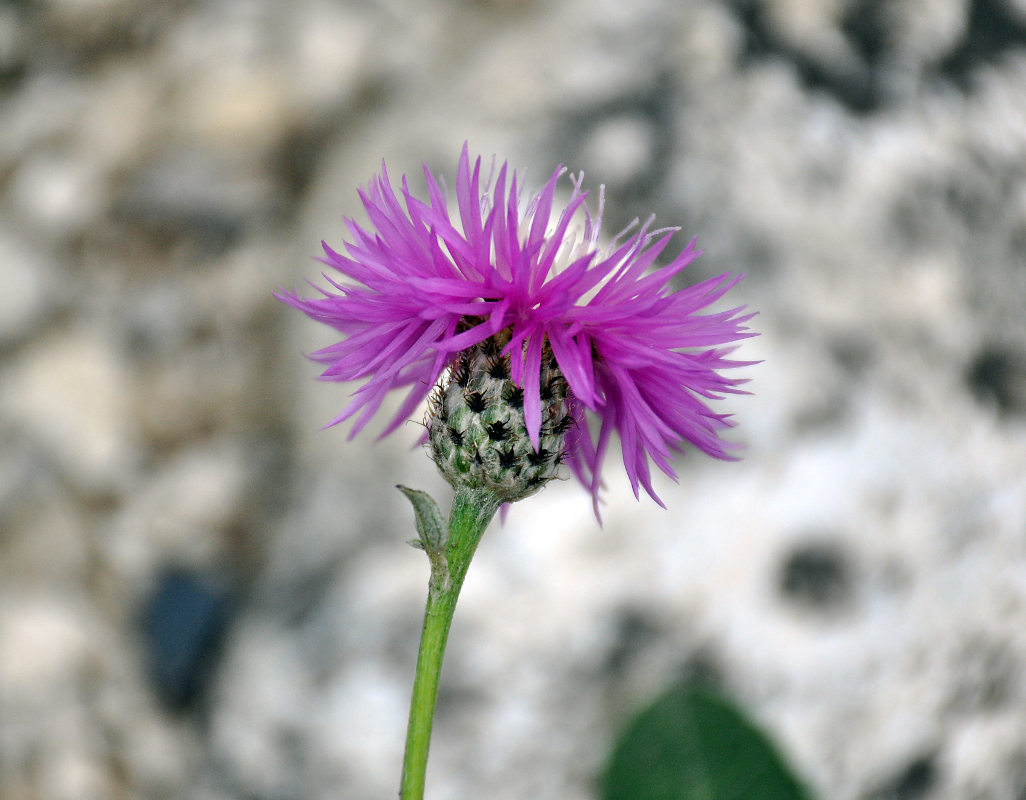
[471, 512]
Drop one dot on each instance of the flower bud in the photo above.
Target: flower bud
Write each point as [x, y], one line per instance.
[478, 437]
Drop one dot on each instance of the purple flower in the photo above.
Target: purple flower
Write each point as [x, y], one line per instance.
[424, 284]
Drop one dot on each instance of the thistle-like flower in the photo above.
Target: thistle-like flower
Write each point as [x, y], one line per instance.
[535, 342]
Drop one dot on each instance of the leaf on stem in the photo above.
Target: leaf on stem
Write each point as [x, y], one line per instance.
[431, 525]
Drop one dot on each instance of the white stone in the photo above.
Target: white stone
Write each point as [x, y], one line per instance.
[31, 285]
[58, 193]
[72, 392]
[180, 512]
[620, 149]
[44, 643]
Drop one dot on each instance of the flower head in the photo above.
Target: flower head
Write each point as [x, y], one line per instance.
[425, 286]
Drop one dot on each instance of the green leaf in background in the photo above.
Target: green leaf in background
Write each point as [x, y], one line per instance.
[694, 744]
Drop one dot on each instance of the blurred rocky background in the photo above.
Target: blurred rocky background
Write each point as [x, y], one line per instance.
[204, 596]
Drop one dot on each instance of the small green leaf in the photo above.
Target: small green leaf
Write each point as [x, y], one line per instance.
[431, 525]
[694, 744]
